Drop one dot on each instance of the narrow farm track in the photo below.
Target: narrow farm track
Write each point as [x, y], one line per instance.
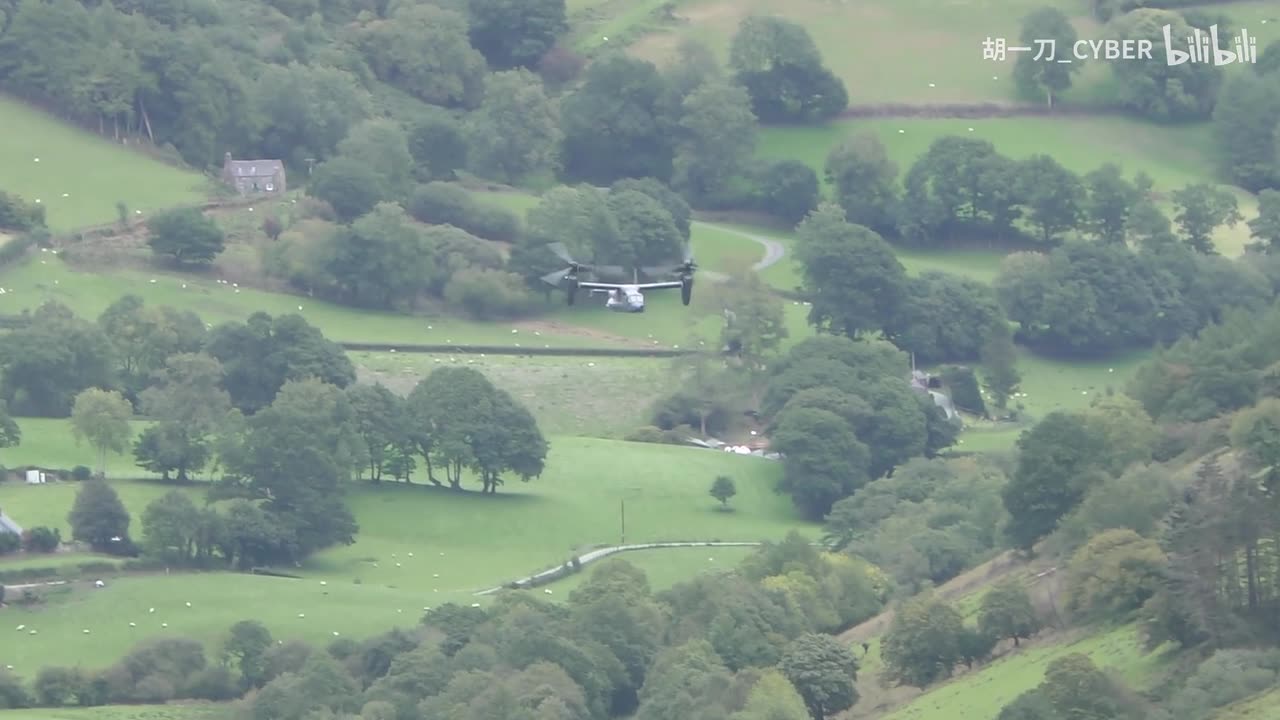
[585, 558]
[773, 250]
[972, 110]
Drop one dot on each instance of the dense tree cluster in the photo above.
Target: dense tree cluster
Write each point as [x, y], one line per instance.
[926, 523]
[745, 644]
[843, 414]
[1083, 292]
[380, 95]
[271, 407]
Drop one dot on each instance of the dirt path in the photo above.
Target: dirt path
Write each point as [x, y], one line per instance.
[773, 250]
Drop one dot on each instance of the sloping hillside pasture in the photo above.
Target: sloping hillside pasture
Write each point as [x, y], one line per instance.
[917, 51]
[49, 443]
[47, 278]
[194, 711]
[79, 177]
[1172, 156]
[218, 601]
[1258, 707]
[597, 397]
[417, 546]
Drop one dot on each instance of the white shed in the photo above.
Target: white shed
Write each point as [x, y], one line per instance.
[35, 477]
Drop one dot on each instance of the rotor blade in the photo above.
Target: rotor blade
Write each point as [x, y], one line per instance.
[660, 270]
[688, 252]
[561, 252]
[556, 277]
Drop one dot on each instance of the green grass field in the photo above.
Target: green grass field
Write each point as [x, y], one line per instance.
[194, 711]
[917, 51]
[80, 177]
[599, 397]
[980, 695]
[418, 546]
[49, 443]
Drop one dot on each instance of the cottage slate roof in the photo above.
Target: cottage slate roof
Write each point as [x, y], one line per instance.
[7, 525]
[256, 168]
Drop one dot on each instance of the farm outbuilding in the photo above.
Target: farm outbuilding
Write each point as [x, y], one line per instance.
[254, 176]
[36, 477]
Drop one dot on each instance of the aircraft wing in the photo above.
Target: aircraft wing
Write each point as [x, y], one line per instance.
[659, 285]
[600, 286]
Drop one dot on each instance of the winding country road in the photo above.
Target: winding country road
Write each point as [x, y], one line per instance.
[773, 250]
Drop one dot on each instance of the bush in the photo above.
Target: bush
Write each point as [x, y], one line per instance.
[80, 473]
[488, 294]
[9, 543]
[560, 66]
[441, 203]
[43, 539]
[12, 694]
[18, 214]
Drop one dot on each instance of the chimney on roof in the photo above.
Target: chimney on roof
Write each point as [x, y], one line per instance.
[227, 157]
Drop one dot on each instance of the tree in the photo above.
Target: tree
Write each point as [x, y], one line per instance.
[143, 337]
[384, 146]
[722, 489]
[48, 362]
[42, 539]
[171, 525]
[1058, 460]
[1109, 203]
[510, 33]
[381, 422]
[946, 317]
[1266, 227]
[425, 51]
[296, 457]
[98, 517]
[190, 405]
[755, 324]
[438, 144]
[1076, 688]
[382, 261]
[823, 671]
[865, 182]
[102, 418]
[787, 190]
[823, 459]
[717, 138]
[923, 642]
[1034, 76]
[1053, 196]
[1007, 612]
[999, 363]
[773, 697]
[781, 67]
[616, 125]
[854, 281]
[515, 133]
[261, 354]
[185, 235]
[1152, 87]
[958, 185]
[1115, 572]
[1244, 126]
[1203, 208]
[10, 433]
[351, 186]
[648, 234]
[246, 645]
